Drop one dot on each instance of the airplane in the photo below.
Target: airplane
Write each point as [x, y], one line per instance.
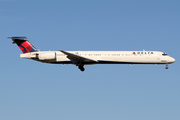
[81, 58]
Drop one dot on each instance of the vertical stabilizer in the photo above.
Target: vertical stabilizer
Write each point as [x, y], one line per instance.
[24, 44]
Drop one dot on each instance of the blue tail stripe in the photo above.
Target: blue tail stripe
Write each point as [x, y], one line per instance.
[23, 48]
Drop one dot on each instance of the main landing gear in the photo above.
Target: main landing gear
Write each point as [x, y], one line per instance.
[81, 67]
[166, 66]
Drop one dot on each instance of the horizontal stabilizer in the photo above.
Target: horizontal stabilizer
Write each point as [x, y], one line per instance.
[18, 38]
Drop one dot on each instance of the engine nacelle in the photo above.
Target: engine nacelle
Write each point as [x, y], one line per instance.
[47, 56]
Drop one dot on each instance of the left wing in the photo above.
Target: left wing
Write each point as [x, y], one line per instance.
[77, 60]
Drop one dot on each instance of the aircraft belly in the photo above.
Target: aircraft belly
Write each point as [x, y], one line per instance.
[115, 60]
[130, 60]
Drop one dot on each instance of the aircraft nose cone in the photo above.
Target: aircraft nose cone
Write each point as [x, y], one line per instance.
[172, 60]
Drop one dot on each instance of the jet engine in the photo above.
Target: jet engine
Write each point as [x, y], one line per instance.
[47, 56]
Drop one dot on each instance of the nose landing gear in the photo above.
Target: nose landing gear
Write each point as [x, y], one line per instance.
[166, 66]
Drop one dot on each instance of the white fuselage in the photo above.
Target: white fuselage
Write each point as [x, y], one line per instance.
[81, 58]
[103, 57]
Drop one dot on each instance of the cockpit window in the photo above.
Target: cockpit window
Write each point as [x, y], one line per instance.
[164, 54]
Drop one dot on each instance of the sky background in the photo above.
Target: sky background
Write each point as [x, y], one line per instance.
[31, 90]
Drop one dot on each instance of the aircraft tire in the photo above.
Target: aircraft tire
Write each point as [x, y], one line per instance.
[81, 68]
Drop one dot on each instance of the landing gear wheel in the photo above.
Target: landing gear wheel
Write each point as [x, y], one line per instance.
[81, 67]
[167, 66]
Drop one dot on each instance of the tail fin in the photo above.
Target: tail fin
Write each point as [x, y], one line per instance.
[23, 44]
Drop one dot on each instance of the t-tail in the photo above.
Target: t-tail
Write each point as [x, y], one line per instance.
[24, 44]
